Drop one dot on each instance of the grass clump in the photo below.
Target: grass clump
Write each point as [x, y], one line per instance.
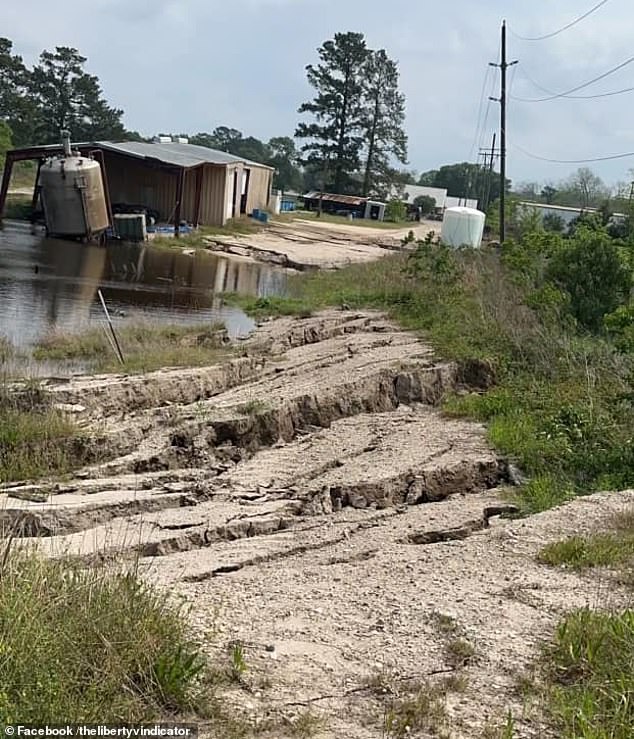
[145, 347]
[252, 407]
[271, 306]
[612, 548]
[84, 645]
[460, 651]
[422, 710]
[589, 675]
[35, 439]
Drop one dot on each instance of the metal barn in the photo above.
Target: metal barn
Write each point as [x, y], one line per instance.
[177, 181]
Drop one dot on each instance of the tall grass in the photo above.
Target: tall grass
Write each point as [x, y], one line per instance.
[35, 439]
[145, 347]
[590, 676]
[85, 645]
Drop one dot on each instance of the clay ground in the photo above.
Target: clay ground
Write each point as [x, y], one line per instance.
[310, 502]
[303, 244]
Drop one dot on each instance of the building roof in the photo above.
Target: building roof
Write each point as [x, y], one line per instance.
[173, 154]
[179, 155]
[333, 198]
[551, 206]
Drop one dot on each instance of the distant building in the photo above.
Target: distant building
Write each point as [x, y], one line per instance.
[438, 194]
[343, 205]
[452, 202]
[566, 213]
[411, 192]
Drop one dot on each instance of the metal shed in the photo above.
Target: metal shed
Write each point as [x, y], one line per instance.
[178, 181]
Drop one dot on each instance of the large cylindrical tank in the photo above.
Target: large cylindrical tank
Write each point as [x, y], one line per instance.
[462, 227]
[73, 196]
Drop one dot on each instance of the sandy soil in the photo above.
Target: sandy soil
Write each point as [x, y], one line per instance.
[309, 501]
[304, 244]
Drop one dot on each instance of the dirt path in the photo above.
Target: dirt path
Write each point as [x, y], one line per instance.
[310, 502]
[303, 244]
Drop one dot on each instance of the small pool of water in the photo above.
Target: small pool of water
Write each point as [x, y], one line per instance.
[50, 285]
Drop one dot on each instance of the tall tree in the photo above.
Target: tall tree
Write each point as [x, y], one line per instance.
[462, 180]
[5, 142]
[285, 158]
[383, 120]
[548, 194]
[334, 138]
[588, 187]
[16, 108]
[67, 97]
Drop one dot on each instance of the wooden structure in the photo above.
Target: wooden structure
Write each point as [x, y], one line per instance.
[179, 182]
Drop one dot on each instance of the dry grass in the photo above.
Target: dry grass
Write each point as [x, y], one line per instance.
[145, 347]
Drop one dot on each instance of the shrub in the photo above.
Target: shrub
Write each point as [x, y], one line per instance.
[590, 269]
[395, 210]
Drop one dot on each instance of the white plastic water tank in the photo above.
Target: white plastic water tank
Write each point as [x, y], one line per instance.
[462, 227]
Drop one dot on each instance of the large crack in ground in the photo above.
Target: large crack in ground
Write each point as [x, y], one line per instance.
[312, 490]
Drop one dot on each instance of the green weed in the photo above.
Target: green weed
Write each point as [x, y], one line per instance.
[84, 645]
[613, 548]
[590, 677]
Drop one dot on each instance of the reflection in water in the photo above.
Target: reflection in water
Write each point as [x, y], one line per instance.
[49, 285]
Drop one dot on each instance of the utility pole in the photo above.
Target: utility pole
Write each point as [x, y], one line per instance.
[489, 158]
[503, 65]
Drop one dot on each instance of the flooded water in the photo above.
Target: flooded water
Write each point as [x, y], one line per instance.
[51, 285]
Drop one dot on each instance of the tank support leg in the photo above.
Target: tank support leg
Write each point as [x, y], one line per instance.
[180, 187]
[4, 187]
[36, 190]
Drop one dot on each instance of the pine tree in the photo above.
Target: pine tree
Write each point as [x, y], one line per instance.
[16, 109]
[335, 137]
[67, 97]
[383, 120]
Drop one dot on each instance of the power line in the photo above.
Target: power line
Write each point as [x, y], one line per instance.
[571, 97]
[573, 161]
[480, 109]
[567, 93]
[485, 120]
[563, 28]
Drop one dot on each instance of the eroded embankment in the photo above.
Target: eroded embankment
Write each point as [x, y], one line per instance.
[318, 415]
[311, 502]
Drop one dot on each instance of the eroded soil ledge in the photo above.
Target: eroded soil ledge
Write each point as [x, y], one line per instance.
[311, 502]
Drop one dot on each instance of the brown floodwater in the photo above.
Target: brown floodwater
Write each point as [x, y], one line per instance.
[50, 285]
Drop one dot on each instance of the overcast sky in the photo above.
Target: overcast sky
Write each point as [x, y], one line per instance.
[191, 65]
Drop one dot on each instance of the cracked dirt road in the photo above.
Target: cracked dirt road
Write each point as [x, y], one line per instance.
[309, 501]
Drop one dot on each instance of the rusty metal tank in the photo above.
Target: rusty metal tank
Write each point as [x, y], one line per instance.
[72, 193]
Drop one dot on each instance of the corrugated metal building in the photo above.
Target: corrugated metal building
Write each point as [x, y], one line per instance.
[177, 181]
